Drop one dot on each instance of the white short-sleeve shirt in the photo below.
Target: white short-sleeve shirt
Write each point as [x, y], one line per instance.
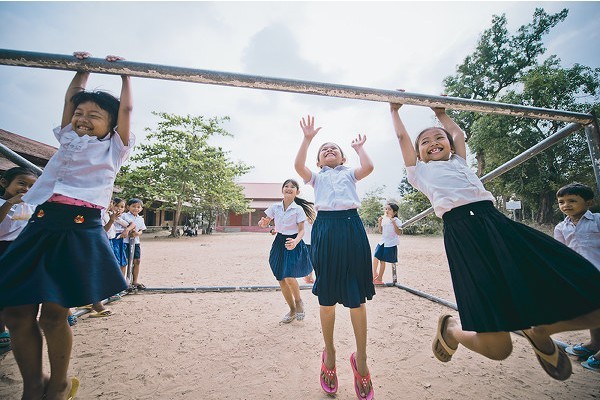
[335, 189]
[447, 184]
[15, 220]
[389, 237]
[584, 237]
[84, 168]
[138, 220]
[286, 221]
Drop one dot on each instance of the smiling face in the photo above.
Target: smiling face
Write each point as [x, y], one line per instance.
[330, 155]
[89, 119]
[119, 207]
[19, 185]
[573, 206]
[290, 189]
[434, 145]
[135, 208]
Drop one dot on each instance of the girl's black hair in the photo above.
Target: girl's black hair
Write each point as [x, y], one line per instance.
[10, 174]
[117, 200]
[576, 189]
[306, 205]
[104, 100]
[394, 208]
[448, 135]
[134, 201]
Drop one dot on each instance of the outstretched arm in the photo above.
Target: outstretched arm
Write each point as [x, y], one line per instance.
[460, 148]
[408, 151]
[308, 128]
[77, 85]
[125, 105]
[366, 165]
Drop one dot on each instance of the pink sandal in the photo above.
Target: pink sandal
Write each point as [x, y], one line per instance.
[362, 380]
[329, 373]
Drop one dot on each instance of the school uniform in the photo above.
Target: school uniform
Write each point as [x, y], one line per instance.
[286, 263]
[387, 249]
[13, 223]
[116, 243]
[63, 255]
[340, 249]
[506, 275]
[584, 237]
[138, 220]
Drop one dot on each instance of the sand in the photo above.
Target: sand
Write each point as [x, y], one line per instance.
[230, 345]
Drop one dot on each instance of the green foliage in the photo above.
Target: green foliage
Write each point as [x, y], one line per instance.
[506, 68]
[412, 204]
[179, 167]
[371, 207]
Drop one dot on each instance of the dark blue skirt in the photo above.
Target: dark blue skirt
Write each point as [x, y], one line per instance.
[118, 248]
[286, 263]
[386, 254]
[62, 256]
[508, 276]
[341, 257]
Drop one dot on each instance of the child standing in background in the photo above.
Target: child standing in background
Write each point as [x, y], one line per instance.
[580, 230]
[340, 251]
[116, 226]
[506, 275]
[387, 248]
[13, 217]
[62, 257]
[289, 258]
[131, 236]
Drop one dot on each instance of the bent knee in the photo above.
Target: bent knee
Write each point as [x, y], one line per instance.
[499, 352]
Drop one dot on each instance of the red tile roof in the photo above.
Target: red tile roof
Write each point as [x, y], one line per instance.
[36, 152]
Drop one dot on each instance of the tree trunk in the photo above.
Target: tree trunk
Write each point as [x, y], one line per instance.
[546, 210]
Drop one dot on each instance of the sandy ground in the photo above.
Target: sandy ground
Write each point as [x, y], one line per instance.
[230, 345]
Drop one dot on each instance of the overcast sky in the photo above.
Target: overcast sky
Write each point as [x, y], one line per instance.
[383, 45]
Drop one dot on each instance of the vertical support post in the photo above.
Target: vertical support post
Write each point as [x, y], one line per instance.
[593, 138]
[394, 274]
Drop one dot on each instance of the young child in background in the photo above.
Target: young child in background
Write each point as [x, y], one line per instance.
[116, 226]
[13, 217]
[289, 258]
[387, 248]
[62, 258]
[131, 236]
[580, 230]
[340, 252]
[506, 275]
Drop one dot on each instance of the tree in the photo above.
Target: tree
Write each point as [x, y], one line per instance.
[180, 168]
[371, 207]
[506, 68]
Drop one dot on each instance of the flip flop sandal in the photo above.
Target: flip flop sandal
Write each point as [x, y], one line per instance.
[103, 313]
[363, 381]
[592, 363]
[329, 373]
[557, 364]
[287, 318]
[140, 286]
[440, 348]
[74, 388]
[5, 336]
[579, 350]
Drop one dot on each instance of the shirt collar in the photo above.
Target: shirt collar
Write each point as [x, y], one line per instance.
[340, 167]
[586, 215]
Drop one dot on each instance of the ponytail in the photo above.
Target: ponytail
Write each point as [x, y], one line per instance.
[307, 206]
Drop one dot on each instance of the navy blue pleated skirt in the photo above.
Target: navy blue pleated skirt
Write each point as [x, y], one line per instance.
[62, 256]
[508, 276]
[341, 257]
[387, 254]
[286, 263]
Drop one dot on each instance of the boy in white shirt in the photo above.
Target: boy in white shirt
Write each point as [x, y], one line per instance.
[132, 236]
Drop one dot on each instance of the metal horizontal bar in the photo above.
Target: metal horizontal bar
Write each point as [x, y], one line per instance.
[248, 288]
[154, 71]
[17, 159]
[514, 162]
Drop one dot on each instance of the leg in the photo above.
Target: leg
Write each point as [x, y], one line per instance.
[286, 290]
[295, 291]
[375, 266]
[379, 277]
[358, 316]
[59, 336]
[136, 271]
[27, 348]
[493, 345]
[327, 314]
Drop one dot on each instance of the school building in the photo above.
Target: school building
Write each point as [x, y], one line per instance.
[261, 196]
